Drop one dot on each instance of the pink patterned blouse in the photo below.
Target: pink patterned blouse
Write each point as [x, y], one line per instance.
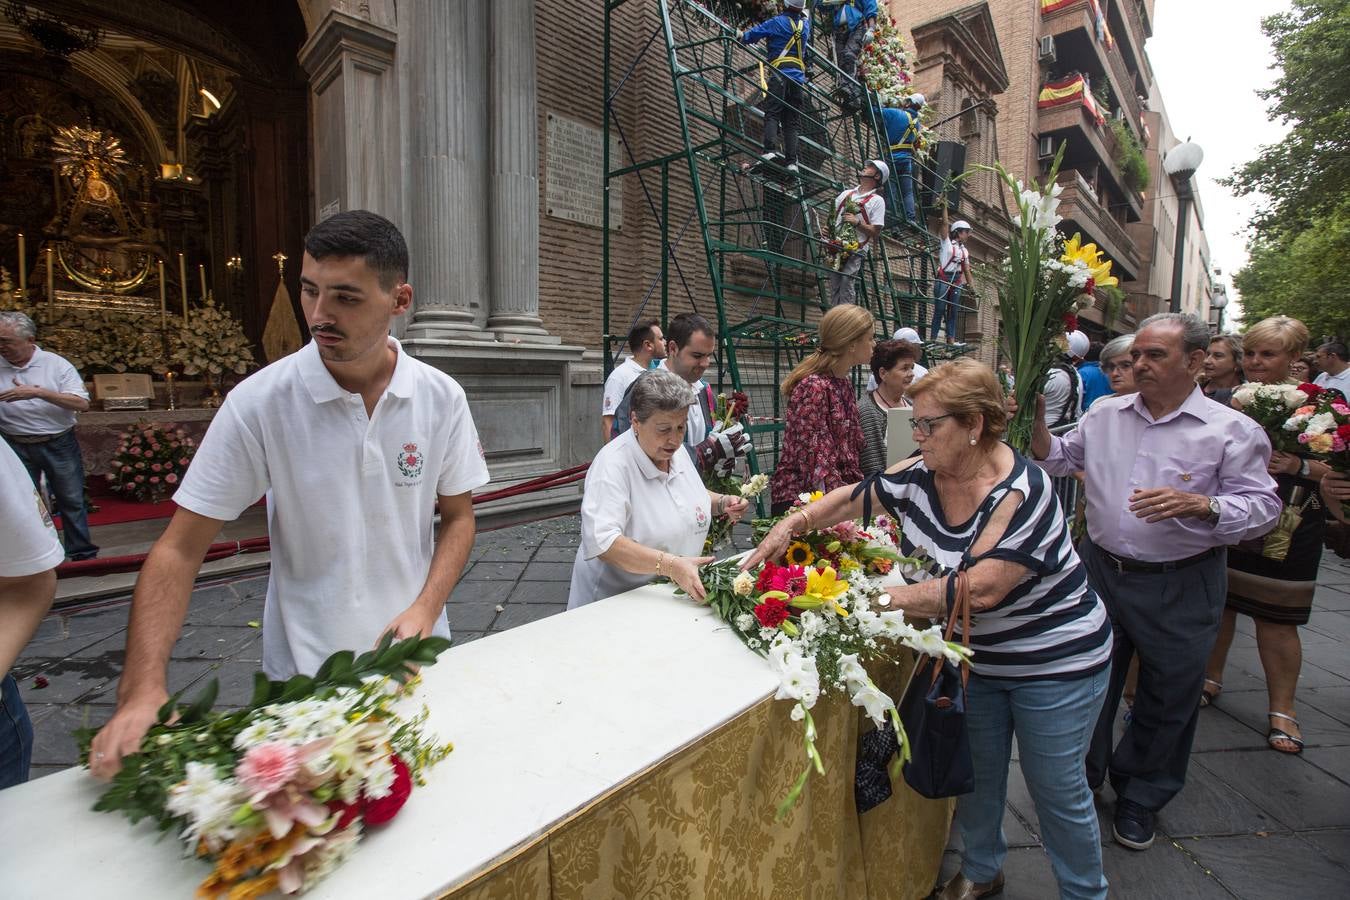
[822, 441]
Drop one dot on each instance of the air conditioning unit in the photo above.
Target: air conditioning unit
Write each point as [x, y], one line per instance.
[1046, 147]
[1047, 49]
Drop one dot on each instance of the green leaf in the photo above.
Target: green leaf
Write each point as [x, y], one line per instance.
[262, 690]
[203, 703]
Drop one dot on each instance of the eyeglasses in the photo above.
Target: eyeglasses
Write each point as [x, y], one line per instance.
[924, 424]
[1117, 367]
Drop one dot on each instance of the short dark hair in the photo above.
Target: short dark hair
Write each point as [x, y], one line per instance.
[359, 232]
[1094, 353]
[641, 333]
[1337, 348]
[683, 327]
[887, 353]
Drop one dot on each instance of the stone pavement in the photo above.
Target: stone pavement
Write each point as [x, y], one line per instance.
[1250, 823]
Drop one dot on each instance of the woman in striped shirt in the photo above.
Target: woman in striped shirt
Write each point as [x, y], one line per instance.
[1041, 637]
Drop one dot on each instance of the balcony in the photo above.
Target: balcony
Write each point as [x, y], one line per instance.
[1082, 211]
[1089, 144]
[1136, 30]
[1074, 27]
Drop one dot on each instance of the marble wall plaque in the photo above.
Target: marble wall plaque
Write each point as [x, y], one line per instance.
[574, 173]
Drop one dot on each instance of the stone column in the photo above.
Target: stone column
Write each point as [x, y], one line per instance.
[446, 43]
[513, 207]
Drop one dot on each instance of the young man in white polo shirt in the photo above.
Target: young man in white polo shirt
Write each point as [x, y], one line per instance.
[645, 343]
[357, 446]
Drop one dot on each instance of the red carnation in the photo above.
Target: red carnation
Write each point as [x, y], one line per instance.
[380, 811]
[772, 612]
[1343, 432]
[765, 580]
[1070, 322]
[348, 811]
[1312, 390]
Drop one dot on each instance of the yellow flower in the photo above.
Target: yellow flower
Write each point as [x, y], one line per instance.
[827, 588]
[799, 554]
[1100, 270]
[816, 495]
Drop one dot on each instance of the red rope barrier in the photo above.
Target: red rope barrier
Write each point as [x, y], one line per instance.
[110, 565]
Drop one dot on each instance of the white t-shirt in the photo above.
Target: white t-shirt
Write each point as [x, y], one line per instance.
[874, 210]
[1339, 382]
[349, 498]
[919, 372]
[34, 418]
[951, 254]
[616, 385]
[626, 494]
[1057, 390]
[26, 531]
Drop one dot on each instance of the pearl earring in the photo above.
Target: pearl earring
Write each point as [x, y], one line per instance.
[972, 441]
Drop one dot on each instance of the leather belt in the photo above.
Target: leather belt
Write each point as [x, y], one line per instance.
[1125, 564]
[35, 438]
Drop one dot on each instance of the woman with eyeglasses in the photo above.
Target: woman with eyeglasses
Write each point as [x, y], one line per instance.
[1117, 365]
[823, 439]
[1040, 635]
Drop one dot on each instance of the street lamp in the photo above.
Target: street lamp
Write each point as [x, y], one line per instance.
[1180, 164]
[1216, 306]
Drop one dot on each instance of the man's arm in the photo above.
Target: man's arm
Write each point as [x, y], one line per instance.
[56, 398]
[158, 607]
[24, 600]
[606, 423]
[1055, 454]
[453, 544]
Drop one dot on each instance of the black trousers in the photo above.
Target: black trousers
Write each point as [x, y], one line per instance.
[1171, 619]
[782, 107]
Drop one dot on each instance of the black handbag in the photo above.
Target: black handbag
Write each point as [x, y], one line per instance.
[933, 711]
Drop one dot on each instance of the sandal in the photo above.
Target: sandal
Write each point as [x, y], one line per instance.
[1276, 734]
[1207, 696]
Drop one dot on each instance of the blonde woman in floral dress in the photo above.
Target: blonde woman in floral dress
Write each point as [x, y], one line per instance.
[1276, 593]
[823, 440]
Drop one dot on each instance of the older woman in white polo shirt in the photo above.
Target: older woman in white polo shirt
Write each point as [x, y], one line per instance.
[645, 512]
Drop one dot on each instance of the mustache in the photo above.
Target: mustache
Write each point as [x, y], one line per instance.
[325, 329]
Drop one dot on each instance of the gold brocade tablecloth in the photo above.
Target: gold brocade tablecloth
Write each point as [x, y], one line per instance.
[701, 824]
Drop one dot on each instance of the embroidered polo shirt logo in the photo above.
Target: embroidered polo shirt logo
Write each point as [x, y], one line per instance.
[700, 517]
[410, 461]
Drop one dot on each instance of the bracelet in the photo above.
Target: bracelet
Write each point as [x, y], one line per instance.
[721, 504]
[658, 564]
[806, 516]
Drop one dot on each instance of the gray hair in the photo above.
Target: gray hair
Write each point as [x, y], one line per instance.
[1194, 332]
[1234, 342]
[25, 326]
[659, 390]
[1117, 346]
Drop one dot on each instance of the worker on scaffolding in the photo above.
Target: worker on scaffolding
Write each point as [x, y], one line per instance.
[859, 215]
[953, 276]
[786, 37]
[854, 23]
[904, 134]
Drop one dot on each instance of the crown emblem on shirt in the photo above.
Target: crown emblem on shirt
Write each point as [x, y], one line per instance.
[410, 461]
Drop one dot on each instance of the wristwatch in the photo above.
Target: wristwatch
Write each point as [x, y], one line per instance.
[1304, 468]
[1214, 511]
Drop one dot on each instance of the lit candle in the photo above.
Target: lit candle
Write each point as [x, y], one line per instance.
[23, 267]
[51, 276]
[163, 298]
[182, 279]
[201, 272]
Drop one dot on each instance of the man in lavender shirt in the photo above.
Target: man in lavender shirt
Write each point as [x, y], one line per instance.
[1172, 479]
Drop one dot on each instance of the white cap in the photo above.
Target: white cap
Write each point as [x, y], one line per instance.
[881, 167]
[917, 99]
[959, 225]
[908, 335]
[1078, 344]
[795, 4]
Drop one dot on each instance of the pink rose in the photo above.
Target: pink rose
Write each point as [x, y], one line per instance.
[183, 461]
[140, 478]
[171, 478]
[266, 768]
[154, 445]
[126, 468]
[134, 451]
[1304, 438]
[154, 479]
[140, 465]
[154, 467]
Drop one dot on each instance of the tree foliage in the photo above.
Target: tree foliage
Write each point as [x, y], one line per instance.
[1300, 230]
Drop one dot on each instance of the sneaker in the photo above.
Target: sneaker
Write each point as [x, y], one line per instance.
[1133, 825]
[792, 167]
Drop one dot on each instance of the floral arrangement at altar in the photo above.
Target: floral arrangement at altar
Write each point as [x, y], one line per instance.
[818, 616]
[1043, 284]
[95, 341]
[149, 462]
[212, 343]
[278, 794]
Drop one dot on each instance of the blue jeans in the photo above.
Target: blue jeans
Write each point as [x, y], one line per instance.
[946, 299]
[1053, 721]
[16, 735]
[59, 459]
[902, 180]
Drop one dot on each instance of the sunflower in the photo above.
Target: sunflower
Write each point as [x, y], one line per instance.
[799, 554]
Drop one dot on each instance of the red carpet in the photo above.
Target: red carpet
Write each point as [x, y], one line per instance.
[113, 510]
